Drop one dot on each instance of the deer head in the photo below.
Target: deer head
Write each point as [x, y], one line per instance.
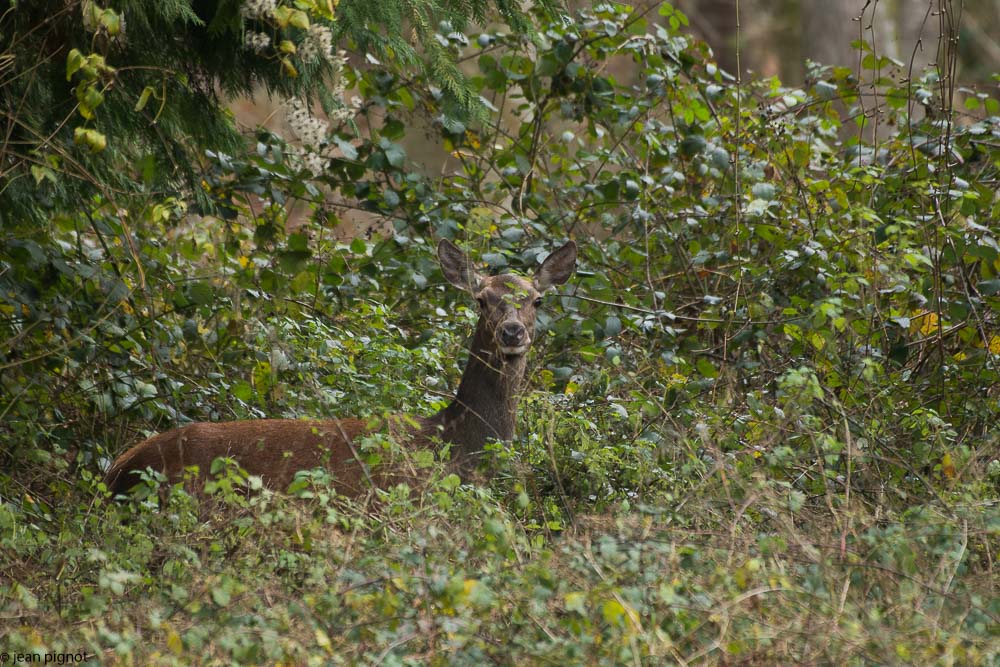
[507, 303]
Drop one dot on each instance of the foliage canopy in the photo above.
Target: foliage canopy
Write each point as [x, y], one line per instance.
[123, 98]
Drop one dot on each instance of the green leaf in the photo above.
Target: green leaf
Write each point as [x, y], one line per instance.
[406, 97]
[394, 153]
[40, 173]
[347, 148]
[282, 15]
[74, 61]
[450, 482]
[825, 90]
[692, 145]
[989, 287]
[763, 191]
[242, 390]
[631, 189]
[796, 499]
[576, 602]
[298, 242]
[221, 596]
[93, 97]
[299, 19]
[391, 199]
[111, 21]
[92, 139]
[422, 458]
[147, 92]
[201, 293]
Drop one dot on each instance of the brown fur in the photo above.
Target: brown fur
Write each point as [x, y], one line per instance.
[275, 449]
[484, 408]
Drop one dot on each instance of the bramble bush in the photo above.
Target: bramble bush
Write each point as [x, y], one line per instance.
[759, 427]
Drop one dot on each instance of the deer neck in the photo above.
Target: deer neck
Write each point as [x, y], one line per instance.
[485, 407]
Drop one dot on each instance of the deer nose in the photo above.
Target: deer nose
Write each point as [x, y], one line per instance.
[513, 333]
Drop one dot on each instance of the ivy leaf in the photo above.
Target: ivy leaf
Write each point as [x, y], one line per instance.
[989, 287]
[201, 293]
[394, 153]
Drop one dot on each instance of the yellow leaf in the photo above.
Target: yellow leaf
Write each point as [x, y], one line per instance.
[622, 615]
[931, 324]
[676, 379]
[92, 139]
[175, 643]
[947, 466]
[613, 612]
[995, 345]
[926, 323]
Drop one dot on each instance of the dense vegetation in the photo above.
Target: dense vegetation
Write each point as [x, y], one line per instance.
[760, 429]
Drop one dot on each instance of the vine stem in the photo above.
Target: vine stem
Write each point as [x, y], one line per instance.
[737, 187]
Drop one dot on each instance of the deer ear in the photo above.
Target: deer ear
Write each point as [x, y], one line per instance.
[557, 267]
[457, 267]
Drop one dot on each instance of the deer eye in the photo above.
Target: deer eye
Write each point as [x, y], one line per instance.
[538, 302]
[481, 300]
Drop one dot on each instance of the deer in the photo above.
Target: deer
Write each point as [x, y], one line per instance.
[483, 409]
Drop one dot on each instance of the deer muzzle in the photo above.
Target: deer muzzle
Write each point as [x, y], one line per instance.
[513, 338]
